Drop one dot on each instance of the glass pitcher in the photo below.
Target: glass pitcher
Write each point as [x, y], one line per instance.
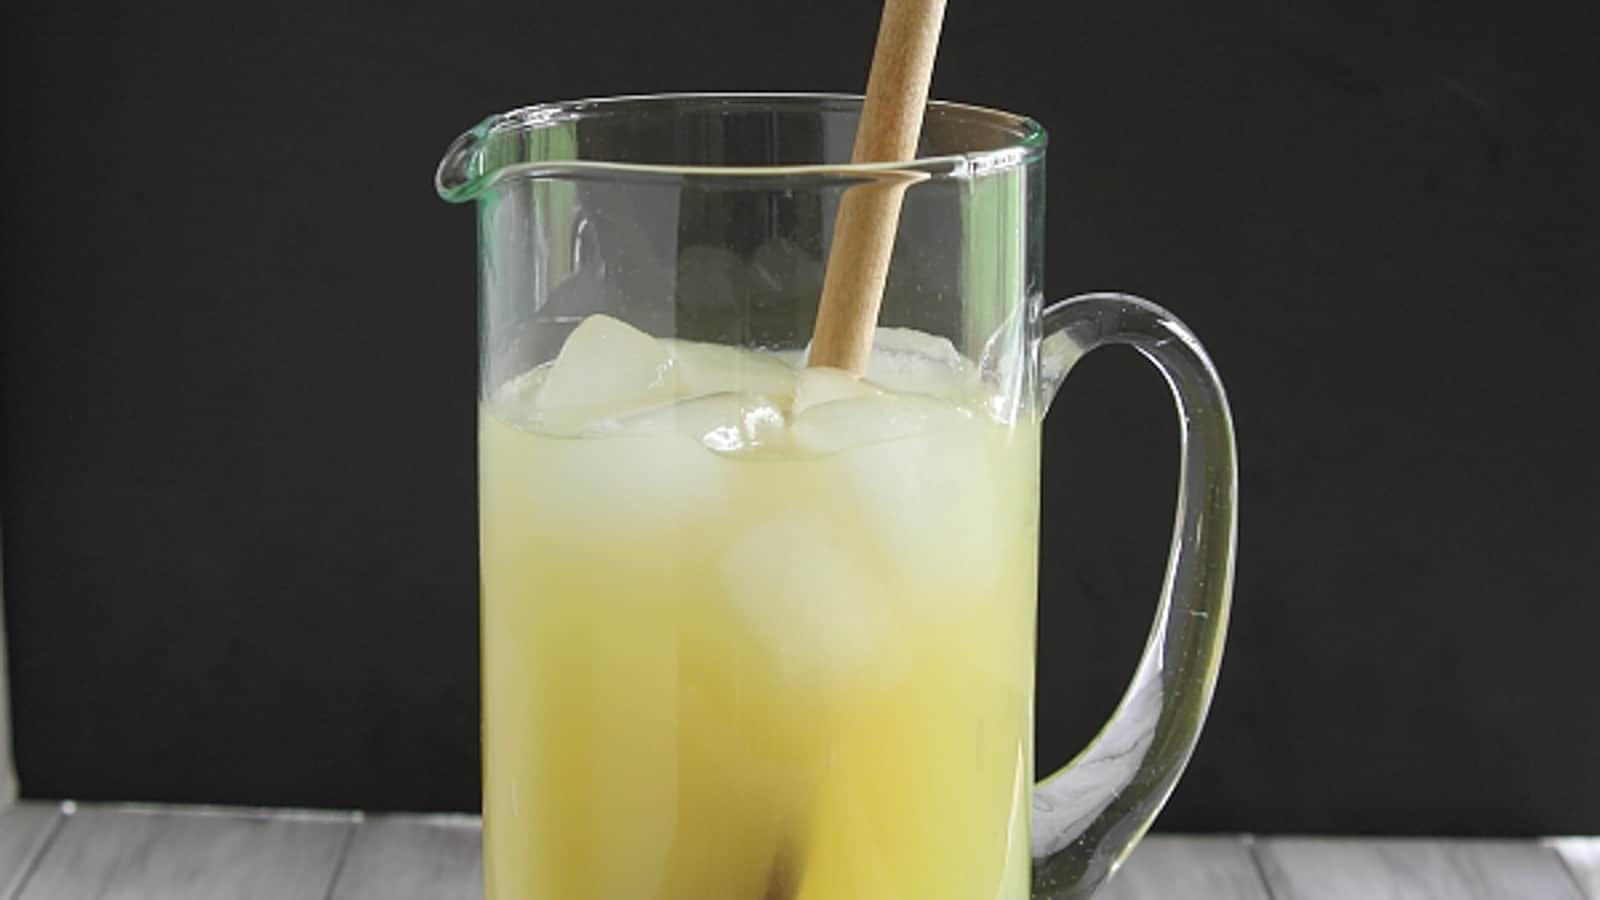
[758, 631]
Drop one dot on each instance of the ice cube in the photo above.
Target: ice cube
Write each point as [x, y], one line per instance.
[713, 368]
[594, 495]
[905, 360]
[822, 384]
[793, 357]
[808, 602]
[926, 481]
[724, 423]
[872, 419]
[605, 369]
[516, 402]
[909, 342]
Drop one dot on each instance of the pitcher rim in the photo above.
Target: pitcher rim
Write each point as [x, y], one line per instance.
[461, 177]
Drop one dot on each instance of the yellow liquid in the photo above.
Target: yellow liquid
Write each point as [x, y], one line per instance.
[767, 676]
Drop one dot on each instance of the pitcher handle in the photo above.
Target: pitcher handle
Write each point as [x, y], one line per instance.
[1088, 816]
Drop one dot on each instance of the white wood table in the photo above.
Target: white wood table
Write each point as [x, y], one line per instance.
[67, 852]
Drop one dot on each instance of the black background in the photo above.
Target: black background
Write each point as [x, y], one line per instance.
[239, 367]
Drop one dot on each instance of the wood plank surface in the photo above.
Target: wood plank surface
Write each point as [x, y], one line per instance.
[394, 858]
[1194, 868]
[1412, 869]
[176, 854]
[113, 854]
[25, 829]
[1582, 856]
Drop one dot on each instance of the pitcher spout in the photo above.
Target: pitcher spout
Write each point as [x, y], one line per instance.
[460, 175]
